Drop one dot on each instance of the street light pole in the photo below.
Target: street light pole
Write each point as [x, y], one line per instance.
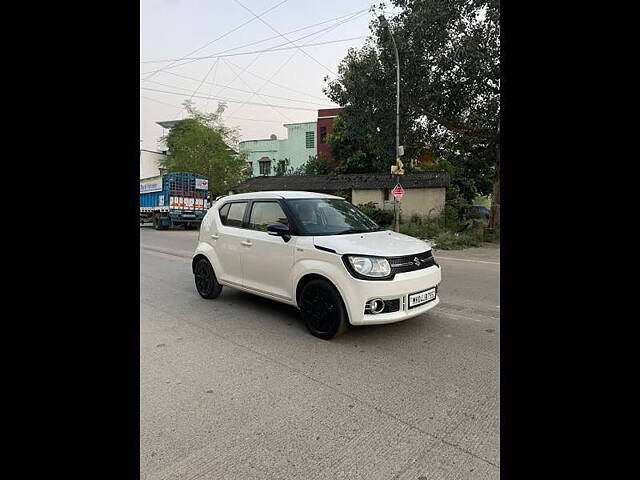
[396, 210]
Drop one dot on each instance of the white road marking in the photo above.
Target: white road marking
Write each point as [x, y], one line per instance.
[438, 257]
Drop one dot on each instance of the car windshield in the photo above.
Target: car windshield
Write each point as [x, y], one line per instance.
[329, 216]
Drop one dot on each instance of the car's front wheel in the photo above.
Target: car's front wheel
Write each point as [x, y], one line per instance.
[206, 281]
[322, 309]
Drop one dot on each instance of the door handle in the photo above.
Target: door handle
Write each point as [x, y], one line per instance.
[247, 243]
[215, 237]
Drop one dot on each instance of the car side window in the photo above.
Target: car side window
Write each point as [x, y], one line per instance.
[224, 211]
[235, 214]
[264, 213]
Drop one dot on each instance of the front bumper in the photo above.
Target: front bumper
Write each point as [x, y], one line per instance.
[360, 292]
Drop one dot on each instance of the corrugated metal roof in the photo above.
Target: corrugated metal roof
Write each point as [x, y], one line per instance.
[342, 182]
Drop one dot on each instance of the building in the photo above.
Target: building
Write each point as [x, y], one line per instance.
[264, 154]
[325, 127]
[150, 163]
[425, 192]
[304, 140]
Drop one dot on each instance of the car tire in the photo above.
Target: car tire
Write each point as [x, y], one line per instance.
[322, 309]
[206, 281]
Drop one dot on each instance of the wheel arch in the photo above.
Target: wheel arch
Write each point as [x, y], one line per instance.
[196, 259]
[316, 276]
[204, 250]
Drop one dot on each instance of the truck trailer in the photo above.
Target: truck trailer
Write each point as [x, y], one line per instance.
[174, 199]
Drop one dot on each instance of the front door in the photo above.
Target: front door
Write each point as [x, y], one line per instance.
[267, 259]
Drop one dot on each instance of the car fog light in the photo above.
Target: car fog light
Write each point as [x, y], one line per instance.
[376, 306]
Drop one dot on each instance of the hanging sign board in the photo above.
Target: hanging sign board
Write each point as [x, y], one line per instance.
[398, 192]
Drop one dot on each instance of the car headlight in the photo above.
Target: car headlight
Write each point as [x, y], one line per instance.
[370, 266]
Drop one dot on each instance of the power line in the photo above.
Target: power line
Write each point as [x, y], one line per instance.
[222, 36]
[213, 64]
[234, 88]
[353, 16]
[332, 27]
[215, 74]
[274, 49]
[257, 92]
[276, 84]
[260, 96]
[229, 100]
[225, 116]
[276, 31]
[159, 101]
[238, 75]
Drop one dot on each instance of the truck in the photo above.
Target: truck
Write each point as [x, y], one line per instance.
[174, 199]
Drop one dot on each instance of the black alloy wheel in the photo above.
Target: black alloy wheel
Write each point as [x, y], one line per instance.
[322, 309]
[206, 281]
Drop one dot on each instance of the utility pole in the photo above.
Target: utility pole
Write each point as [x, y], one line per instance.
[396, 209]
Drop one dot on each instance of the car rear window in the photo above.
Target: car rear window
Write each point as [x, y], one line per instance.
[223, 213]
[235, 214]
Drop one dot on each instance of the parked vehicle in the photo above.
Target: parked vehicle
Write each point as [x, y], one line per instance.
[481, 210]
[174, 199]
[316, 252]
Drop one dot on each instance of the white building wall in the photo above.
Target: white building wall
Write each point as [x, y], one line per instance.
[149, 163]
[293, 148]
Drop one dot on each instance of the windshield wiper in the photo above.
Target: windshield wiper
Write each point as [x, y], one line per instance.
[355, 230]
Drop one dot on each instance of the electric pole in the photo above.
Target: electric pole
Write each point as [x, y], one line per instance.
[396, 208]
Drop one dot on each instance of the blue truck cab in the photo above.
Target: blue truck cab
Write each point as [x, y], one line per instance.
[174, 199]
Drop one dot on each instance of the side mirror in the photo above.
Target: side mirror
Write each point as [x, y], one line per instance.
[279, 230]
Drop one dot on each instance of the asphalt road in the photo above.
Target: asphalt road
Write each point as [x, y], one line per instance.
[237, 388]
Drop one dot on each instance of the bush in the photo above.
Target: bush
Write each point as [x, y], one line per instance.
[447, 240]
[453, 229]
[421, 229]
[445, 237]
[382, 218]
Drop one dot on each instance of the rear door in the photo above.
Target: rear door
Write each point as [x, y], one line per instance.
[267, 259]
[227, 241]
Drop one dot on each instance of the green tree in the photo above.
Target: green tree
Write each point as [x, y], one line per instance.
[202, 144]
[314, 165]
[282, 167]
[450, 92]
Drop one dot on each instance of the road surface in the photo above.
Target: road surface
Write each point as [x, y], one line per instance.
[237, 388]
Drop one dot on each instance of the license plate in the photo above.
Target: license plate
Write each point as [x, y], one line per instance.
[422, 297]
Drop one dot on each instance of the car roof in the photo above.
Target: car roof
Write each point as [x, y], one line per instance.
[277, 194]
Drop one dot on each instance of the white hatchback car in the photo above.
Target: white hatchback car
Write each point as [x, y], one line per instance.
[316, 252]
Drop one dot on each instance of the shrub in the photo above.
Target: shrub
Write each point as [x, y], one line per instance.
[423, 229]
[382, 218]
[447, 240]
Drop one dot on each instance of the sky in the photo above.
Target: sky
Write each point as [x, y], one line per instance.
[174, 29]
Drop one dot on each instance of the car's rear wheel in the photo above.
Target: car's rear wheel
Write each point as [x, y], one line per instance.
[206, 281]
[322, 309]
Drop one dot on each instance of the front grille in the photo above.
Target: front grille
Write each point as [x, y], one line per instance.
[410, 263]
[389, 306]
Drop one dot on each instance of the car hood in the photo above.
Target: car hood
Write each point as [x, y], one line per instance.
[383, 244]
